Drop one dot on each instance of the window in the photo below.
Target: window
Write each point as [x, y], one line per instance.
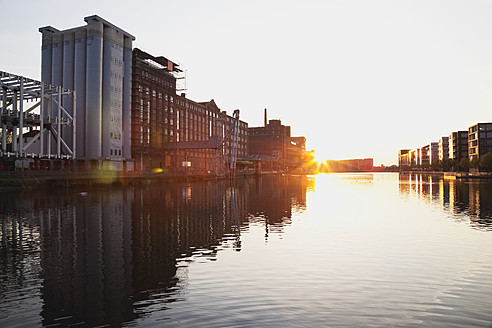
[141, 109]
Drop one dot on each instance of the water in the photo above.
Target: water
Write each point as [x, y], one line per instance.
[341, 250]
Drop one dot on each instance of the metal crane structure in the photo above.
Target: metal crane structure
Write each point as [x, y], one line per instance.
[53, 127]
[235, 132]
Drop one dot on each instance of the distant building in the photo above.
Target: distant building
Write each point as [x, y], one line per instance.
[424, 155]
[428, 154]
[433, 152]
[404, 158]
[479, 140]
[458, 145]
[351, 165]
[297, 151]
[273, 144]
[414, 157]
[443, 148]
[94, 60]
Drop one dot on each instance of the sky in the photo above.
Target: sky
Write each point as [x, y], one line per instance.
[357, 78]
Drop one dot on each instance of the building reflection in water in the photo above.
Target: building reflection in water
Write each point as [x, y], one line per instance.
[109, 257]
[465, 199]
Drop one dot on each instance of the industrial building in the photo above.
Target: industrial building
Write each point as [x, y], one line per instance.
[33, 120]
[105, 106]
[273, 146]
[153, 109]
[173, 133]
[95, 61]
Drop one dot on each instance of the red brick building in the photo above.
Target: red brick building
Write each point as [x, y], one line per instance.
[171, 132]
[273, 145]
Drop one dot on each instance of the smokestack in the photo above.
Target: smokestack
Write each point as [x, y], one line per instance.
[266, 121]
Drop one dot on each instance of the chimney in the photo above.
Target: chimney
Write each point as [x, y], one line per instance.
[266, 121]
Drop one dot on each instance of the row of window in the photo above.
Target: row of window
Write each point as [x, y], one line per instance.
[116, 61]
[116, 119]
[115, 89]
[116, 136]
[161, 81]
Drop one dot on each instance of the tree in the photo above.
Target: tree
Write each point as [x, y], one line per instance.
[435, 166]
[453, 164]
[446, 165]
[464, 164]
[475, 162]
[486, 161]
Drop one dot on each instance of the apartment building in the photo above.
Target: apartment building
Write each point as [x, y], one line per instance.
[479, 140]
[404, 158]
[424, 155]
[443, 148]
[458, 145]
[433, 152]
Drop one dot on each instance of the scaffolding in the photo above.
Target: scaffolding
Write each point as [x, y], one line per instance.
[20, 98]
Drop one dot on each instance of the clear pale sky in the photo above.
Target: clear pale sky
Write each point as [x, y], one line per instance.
[357, 78]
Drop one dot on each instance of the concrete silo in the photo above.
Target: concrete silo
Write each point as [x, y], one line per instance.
[95, 61]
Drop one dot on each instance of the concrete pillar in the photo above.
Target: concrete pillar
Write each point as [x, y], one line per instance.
[68, 82]
[57, 59]
[4, 125]
[112, 91]
[79, 87]
[56, 73]
[46, 52]
[127, 97]
[93, 94]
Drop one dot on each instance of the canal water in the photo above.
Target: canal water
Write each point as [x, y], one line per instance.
[338, 250]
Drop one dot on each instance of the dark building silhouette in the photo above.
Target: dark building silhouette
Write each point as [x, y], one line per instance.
[273, 146]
